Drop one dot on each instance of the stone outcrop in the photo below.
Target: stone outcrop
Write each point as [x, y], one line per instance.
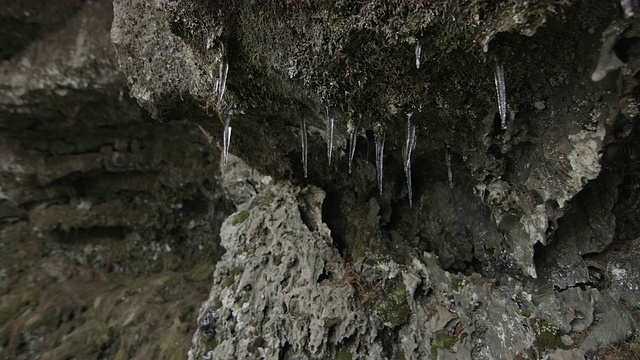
[516, 236]
[522, 198]
[345, 62]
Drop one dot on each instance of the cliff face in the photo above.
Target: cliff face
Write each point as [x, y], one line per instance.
[106, 216]
[422, 180]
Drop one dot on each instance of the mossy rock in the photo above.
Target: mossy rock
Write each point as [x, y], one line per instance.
[441, 340]
[240, 217]
[547, 335]
[394, 309]
[344, 354]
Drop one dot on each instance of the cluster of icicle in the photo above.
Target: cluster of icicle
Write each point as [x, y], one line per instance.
[407, 151]
[410, 142]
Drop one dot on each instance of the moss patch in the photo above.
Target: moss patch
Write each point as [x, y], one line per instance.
[344, 354]
[240, 217]
[547, 335]
[442, 340]
[394, 309]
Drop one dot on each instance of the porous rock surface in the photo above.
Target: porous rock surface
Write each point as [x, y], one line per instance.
[282, 290]
[527, 218]
[519, 242]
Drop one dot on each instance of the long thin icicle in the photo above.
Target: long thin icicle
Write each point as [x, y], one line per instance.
[449, 170]
[501, 90]
[330, 122]
[305, 144]
[627, 6]
[380, 156]
[224, 70]
[352, 145]
[418, 53]
[409, 146]
[226, 137]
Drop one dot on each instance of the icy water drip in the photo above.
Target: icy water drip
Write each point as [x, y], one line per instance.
[305, 145]
[418, 54]
[330, 123]
[222, 82]
[226, 137]
[501, 91]
[380, 157]
[449, 170]
[352, 145]
[627, 6]
[410, 145]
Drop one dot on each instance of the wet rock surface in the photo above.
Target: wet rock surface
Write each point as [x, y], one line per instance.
[520, 239]
[354, 66]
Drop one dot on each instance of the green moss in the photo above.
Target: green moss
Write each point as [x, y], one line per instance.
[547, 335]
[359, 253]
[217, 304]
[227, 282]
[394, 310]
[344, 354]
[240, 217]
[548, 340]
[526, 313]
[265, 197]
[208, 342]
[457, 284]
[442, 340]
[235, 271]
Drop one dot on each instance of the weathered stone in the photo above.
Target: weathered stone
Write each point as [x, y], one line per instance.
[525, 175]
[284, 283]
[521, 242]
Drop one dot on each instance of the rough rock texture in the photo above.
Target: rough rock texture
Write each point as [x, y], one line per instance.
[539, 209]
[282, 290]
[108, 220]
[521, 242]
[356, 62]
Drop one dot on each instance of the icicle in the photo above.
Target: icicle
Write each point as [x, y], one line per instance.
[352, 145]
[380, 156]
[226, 137]
[330, 122]
[449, 170]
[305, 145]
[409, 146]
[418, 53]
[627, 6]
[502, 93]
[224, 70]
